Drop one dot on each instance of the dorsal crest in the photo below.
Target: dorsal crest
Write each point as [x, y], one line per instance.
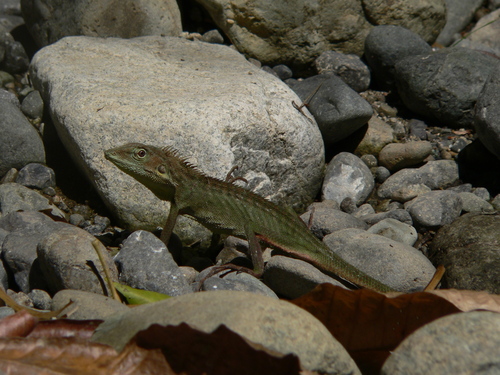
[171, 152]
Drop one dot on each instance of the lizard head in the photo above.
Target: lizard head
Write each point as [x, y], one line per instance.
[147, 164]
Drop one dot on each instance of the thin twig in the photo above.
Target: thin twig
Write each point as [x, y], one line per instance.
[97, 246]
[436, 279]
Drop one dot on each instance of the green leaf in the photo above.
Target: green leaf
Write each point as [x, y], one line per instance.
[135, 296]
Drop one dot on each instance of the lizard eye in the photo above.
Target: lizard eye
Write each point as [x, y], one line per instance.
[141, 153]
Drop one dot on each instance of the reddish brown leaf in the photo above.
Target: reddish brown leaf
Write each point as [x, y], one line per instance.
[369, 324]
[18, 324]
[65, 328]
[77, 357]
[189, 351]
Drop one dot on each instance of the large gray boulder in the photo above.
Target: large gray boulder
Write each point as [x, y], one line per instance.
[205, 100]
[50, 20]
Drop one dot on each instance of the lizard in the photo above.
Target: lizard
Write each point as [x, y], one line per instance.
[228, 209]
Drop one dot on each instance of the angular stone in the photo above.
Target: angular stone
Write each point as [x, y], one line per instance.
[435, 209]
[144, 262]
[347, 176]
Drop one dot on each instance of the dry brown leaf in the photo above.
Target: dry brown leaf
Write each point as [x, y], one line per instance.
[468, 300]
[76, 356]
[82, 329]
[222, 352]
[19, 324]
[369, 324]
[63, 347]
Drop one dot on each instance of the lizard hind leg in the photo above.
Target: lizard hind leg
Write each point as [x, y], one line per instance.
[255, 253]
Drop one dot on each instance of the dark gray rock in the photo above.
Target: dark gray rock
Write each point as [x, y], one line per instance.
[482, 193]
[213, 36]
[348, 67]
[462, 188]
[283, 71]
[338, 109]
[387, 44]
[32, 105]
[25, 231]
[99, 226]
[468, 249]
[395, 264]
[472, 203]
[472, 339]
[41, 299]
[144, 262]
[20, 143]
[363, 210]
[418, 129]
[4, 277]
[14, 58]
[408, 192]
[31, 221]
[347, 176]
[236, 281]
[9, 97]
[6, 311]
[69, 261]
[19, 254]
[395, 230]
[292, 278]
[435, 209]
[37, 176]
[270, 70]
[459, 14]
[326, 220]
[381, 174]
[15, 197]
[487, 114]
[444, 85]
[438, 174]
[397, 214]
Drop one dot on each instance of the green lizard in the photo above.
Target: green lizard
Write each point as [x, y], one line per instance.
[225, 208]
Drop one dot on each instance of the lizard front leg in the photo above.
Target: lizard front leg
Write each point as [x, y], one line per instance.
[170, 223]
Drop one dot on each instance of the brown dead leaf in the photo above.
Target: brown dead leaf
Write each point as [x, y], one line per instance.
[66, 328]
[77, 357]
[63, 347]
[19, 324]
[369, 324]
[222, 352]
[468, 300]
